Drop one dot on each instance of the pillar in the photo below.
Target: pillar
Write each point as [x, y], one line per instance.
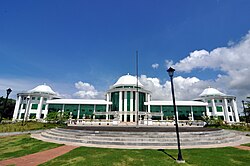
[136, 107]
[39, 109]
[213, 107]
[148, 102]
[161, 113]
[125, 106]
[236, 114]
[27, 108]
[78, 112]
[17, 108]
[131, 106]
[107, 107]
[94, 111]
[120, 105]
[226, 110]
[192, 113]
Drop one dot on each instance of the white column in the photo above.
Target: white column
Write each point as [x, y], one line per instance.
[213, 107]
[177, 115]
[26, 116]
[236, 114]
[136, 106]
[39, 108]
[17, 108]
[78, 112]
[161, 113]
[120, 105]
[192, 113]
[125, 106]
[107, 106]
[94, 111]
[46, 110]
[131, 106]
[226, 110]
[21, 111]
[148, 102]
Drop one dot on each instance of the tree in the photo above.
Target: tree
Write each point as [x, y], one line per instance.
[57, 117]
[9, 109]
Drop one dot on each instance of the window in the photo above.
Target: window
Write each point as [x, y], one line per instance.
[45, 99]
[219, 109]
[22, 115]
[220, 101]
[210, 109]
[44, 105]
[215, 101]
[38, 98]
[230, 118]
[155, 108]
[32, 116]
[229, 109]
[33, 98]
[209, 101]
[24, 106]
[100, 108]
[34, 106]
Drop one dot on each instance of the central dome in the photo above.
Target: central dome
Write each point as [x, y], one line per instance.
[127, 80]
[42, 89]
[211, 92]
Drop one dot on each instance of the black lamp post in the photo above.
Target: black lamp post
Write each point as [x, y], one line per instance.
[171, 74]
[5, 103]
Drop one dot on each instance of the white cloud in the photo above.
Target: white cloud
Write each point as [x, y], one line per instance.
[233, 62]
[230, 43]
[87, 91]
[168, 63]
[155, 66]
[185, 88]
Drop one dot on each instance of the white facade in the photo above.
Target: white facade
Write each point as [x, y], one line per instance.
[126, 101]
[33, 103]
[220, 105]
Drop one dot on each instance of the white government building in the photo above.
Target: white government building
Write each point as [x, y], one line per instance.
[122, 102]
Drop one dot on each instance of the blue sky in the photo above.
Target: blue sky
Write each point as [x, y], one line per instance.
[94, 41]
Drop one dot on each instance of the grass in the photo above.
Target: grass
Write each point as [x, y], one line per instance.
[231, 127]
[246, 144]
[13, 127]
[124, 157]
[16, 146]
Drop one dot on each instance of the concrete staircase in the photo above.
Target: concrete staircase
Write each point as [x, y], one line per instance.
[145, 139]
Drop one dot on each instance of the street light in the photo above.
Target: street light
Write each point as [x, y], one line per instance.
[5, 103]
[171, 74]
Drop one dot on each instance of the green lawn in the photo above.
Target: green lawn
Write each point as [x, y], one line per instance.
[16, 146]
[121, 157]
[27, 126]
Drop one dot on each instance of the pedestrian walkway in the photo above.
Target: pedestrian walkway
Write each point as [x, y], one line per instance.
[243, 147]
[39, 157]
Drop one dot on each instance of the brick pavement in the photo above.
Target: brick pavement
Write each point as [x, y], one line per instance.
[243, 147]
[39, 157]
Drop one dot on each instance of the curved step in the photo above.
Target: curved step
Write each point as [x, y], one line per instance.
[140, 138]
